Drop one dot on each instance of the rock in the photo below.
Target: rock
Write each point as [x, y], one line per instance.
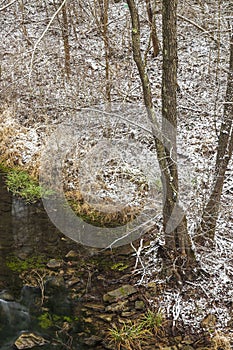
[92, 341]
[128, 314]
[139, 305]
[116, 307]
[106, 317]
[54, 264]
[72, 255]
[73, 281]
[96, 307]
[54, 282]
[5, 295]
[29, 341]
[13, 316]
[120, 293]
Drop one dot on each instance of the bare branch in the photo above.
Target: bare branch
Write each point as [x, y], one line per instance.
[6, 6]
[42, 36]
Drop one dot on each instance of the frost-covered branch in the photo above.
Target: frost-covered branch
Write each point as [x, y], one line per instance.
[42, 36]
[8, 5]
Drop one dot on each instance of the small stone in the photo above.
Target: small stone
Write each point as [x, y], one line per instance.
[128, 313]
[116, 307]
[96, 307]
[73, 281]
[72, 254]
[119, 293]
[92, 341]
[29, 340]
[139, 305]
[54, 264]
[106, 318]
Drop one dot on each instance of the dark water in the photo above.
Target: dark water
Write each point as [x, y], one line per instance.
[25, 231]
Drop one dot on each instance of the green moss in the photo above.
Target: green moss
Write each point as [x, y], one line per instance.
[47, 320]
[19, 265]
[119, 266]
[20, 183]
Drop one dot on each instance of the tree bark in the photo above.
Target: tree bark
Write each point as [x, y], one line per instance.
[206, 231]
[65, 36]
[154, 37]
[178, 248]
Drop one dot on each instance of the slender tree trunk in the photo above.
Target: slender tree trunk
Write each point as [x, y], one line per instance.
[178, 245]
[104, 20]
[206, 231]
[154, 37]
[65, 36]
[176, 233]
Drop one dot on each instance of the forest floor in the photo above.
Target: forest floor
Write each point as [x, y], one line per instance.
[37, 98]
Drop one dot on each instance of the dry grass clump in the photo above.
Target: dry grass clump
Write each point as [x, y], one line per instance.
[18, 144]
[220, 342]
[100, 217]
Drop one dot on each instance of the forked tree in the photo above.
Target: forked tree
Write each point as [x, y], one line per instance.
[178, 255]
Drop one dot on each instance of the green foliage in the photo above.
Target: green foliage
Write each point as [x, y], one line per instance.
[18, 265]
[119, 266]
[133, 335]
[47, 320]
[21, 184]
[129, 336]
[152, 321]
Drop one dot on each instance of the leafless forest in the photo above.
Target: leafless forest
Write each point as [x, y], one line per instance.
[59, 57]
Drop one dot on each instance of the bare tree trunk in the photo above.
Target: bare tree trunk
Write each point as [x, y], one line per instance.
[104, 4]
[154, 37]
[65, 36]
[178, 245]
[206, 231]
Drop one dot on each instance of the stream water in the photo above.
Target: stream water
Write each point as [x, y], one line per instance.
[25, 231]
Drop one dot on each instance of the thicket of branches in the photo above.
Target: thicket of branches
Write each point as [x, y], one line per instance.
[60, 56]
